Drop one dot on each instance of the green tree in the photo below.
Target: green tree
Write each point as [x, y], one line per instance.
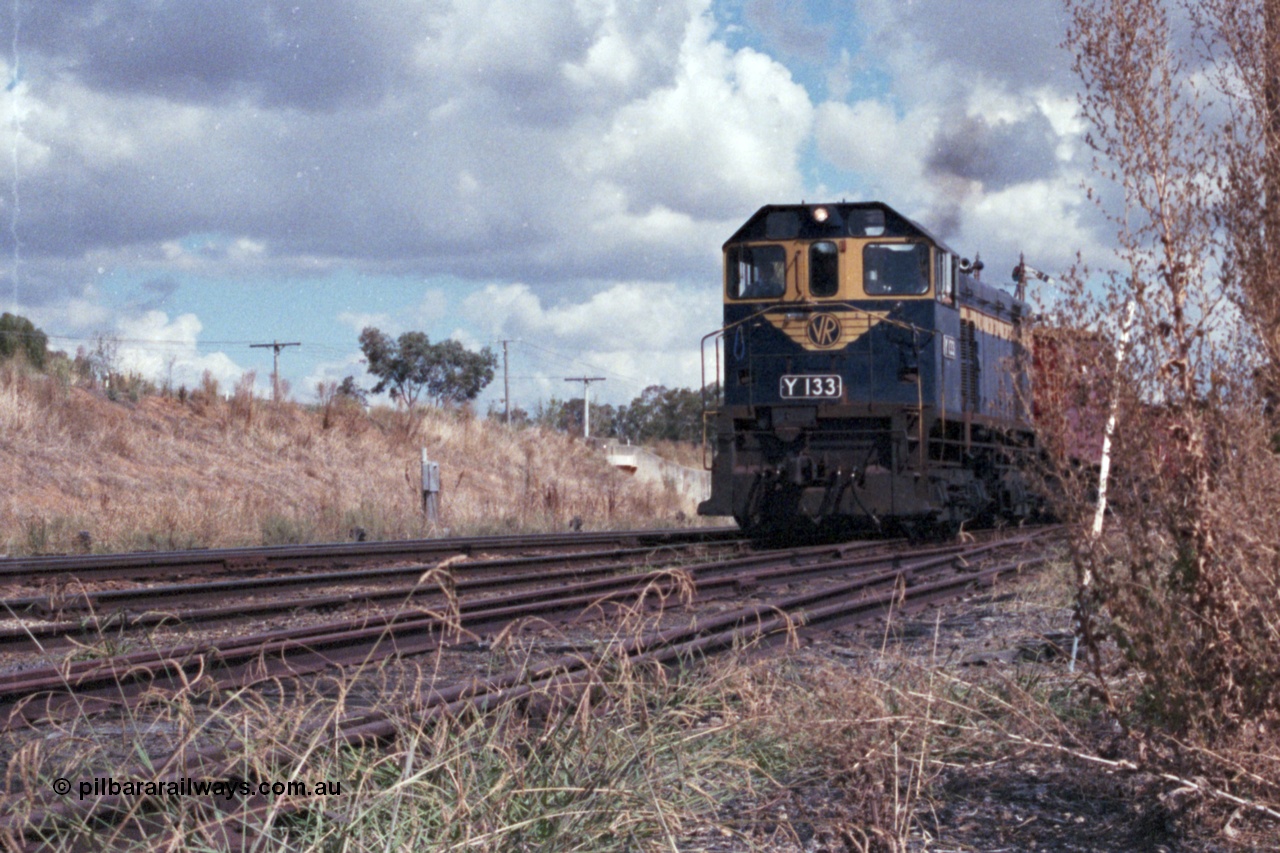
[566, 416]
[663, 414]
[412, 368]
[349, 389]
[458, 374]
[19, 335]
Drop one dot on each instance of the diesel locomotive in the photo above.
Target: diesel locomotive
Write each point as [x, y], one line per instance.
[870, 380]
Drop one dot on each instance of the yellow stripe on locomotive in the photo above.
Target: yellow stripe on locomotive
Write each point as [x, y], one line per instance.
[826, 330]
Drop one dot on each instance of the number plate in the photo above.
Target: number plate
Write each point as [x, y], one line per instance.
[810, 388]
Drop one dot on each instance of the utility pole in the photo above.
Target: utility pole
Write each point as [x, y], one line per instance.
[276, 346]
[506, 383]
[586, 400]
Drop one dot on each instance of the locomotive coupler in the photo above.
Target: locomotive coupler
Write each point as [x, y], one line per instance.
[798, 470]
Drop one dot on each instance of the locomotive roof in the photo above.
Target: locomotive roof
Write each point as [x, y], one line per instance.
[841, 219]
[990, 298]
[865, 219]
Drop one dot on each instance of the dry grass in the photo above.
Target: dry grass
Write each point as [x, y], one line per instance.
[1179, 599]
[706, 758]
[635, 758]
[208, 472]
[814, 751]
[686, 453]
[912, 746]
[628, 765]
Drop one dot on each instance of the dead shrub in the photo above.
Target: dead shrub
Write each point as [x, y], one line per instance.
[1184, 578]
[242, 398]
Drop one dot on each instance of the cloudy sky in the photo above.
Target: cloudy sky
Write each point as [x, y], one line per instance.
[194, 176]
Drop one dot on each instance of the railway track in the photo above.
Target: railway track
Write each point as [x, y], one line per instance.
[205, 562]
[770, 594]
[76, 615]
[75, 688]
[38, 693]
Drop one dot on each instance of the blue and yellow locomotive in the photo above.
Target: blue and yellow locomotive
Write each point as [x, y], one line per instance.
[870, 379]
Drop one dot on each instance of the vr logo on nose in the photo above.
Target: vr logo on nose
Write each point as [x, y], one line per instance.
[823, 330]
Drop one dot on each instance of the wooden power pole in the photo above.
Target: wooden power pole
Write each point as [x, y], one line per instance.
[276, 346]
[506, 383]
[586, 400]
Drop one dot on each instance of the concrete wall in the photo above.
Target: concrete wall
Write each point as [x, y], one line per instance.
[692, 483]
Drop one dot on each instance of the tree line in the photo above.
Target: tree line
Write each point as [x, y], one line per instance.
[414, 372]
[658, 413]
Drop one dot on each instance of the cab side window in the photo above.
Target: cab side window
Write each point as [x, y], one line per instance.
[895, 269]
[944, 276]
[756, 272]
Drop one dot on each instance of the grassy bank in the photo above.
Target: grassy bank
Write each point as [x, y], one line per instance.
[208, 470]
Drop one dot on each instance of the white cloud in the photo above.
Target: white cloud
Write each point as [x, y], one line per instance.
[165, 350]
[886, 150]
[636, 334]
[595, 151]
[511, 129]
[990, 168]
[357, 321]
[737, 119]
[73, 315]
[1042, 219]
[625, 316]
[333, 371]
[431, 309]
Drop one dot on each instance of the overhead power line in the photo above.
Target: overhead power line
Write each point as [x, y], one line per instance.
[578, 361]
[276, 346]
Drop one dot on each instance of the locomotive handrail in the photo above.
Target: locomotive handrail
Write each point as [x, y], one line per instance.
[706, 414]
[719, 333]
[702, 355]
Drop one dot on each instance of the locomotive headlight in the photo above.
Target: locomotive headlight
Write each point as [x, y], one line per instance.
[821, 215]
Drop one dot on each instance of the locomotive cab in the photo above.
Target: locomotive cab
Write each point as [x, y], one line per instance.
[853, 348]
[790, 259]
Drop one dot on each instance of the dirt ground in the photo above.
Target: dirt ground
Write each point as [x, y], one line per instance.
[1022, 799]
